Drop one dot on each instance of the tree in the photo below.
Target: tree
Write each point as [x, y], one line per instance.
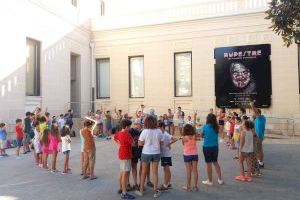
[285, 17]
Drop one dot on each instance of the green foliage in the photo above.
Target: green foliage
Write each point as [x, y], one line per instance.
[285, 17]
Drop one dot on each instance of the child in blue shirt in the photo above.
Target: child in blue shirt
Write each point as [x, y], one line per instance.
[3, 136]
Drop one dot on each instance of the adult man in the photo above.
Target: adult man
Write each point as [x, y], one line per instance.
[259, 125]
[241, 78]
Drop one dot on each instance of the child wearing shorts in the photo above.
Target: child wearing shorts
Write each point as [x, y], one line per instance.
[66, 147]
[124, 140]
[166, 156]
[19, 137]
[190, 157]
[236, 135]
[37, 144]
[3, 135]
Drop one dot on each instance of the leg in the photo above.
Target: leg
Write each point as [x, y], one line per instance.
[145, 169]
[65, 163]
[241, 162]
[85, 163]
[167, 175]
[155, 175]
[134, 172]
[188, 167]
[218, 170]
[209, 171]
[195, 172]
[53, 160]
[92, 157]
[18, 151]
[249, 164]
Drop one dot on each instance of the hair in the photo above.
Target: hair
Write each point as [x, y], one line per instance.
[43, 119]
[188, 130]
[161, 124]
[44, 139]
[243, 110]
[179, 107]
[235, 114]
[87, 123]
[65, 131]
[2, 125]
[47, 114]
[212, 119]
[61, 115]
[54, 130]
[18, 120]
[150, 122]
[107, 112]
[35, 123]
[28, 114]
[125, 123]
[259, 111]
[245, 118]
[248, 125]
[238, 119]
[116, 129]
[120, 110]
[223, 110]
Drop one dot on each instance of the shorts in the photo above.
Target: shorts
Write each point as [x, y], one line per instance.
[67, 152]
[166, 161]
[246, 154]
[148, 158]
[236, 144]
[136, 154]
[170, 124]
[2, 144]
[221, 122]
[181, 124]
[190, 158]
[19, 142]
[108, 126]
[210, 154]
[27, 138]
[125, 165]
[37, 147]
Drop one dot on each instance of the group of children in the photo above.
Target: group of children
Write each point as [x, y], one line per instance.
[147, 141]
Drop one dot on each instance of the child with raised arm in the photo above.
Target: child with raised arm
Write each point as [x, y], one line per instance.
[125, 141]
[66, 148]
[19, 137]
[54, 140]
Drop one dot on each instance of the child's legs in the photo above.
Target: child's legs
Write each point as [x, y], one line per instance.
[85, 162]
[134, 172]
[218, 169]
[195, 172]
[241, 162]
[249, 165]
[188, 167]
[120, 180]
[92, 158]
[155, 174]
[167, 175]
[125, 176]
[145, 169]
[148, 173]
[209, 171]
[53, 160]
[18, 151]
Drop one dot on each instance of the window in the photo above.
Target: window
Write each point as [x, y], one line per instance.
[183, 74]
[103, 78]
[33, 68]
[136, 77]
[102, 8]
[74, 3]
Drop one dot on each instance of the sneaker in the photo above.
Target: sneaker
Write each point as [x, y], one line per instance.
[170, 186]
[248, 178]
[220, 181]
[119, 191]
[163, 188]
[127, 196]
[157, 194]
[64, 172]
[261, 165]
[150, 184]
[207, 182]
[139, 193]
[240, 178]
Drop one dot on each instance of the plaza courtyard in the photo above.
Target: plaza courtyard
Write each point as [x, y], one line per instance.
[23, 180]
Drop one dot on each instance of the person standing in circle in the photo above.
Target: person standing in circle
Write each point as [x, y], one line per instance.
[221, 120]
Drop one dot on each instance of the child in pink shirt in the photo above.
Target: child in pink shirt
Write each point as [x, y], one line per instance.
[190, 156]
[54, 140]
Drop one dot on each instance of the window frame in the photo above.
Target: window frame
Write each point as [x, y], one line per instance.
[37, 75]
[129, 74]
[175, 85]
[98, 94]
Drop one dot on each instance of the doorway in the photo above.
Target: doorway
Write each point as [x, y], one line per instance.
[75, 95]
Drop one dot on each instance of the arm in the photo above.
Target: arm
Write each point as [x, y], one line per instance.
[95, 124]
[254, 109]
[141, 143]
[195, 117]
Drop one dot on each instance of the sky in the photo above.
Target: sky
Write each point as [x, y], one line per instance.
[120, 7]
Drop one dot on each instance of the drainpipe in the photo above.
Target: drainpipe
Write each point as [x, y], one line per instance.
[92, 76]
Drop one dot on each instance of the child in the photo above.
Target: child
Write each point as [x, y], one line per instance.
[108, 124]
[37, 144]
[66, 147]
[189, 121]
[27, 132]
[89, 148]
[124, 140]
[171, 122]
[211, 148]
[99, 123]
[3, 135]
[54, 140]
[43, 125]
[227, 129]
[246, 149]
[82, 151]
[180, 116]
[151, 138]
[231, 132]
[45, 147]
[166, 120]
[236, 135]
[166, 156]
[190, 156]
[198, 125]
[61, 121]
[135, 133]
[19, 137]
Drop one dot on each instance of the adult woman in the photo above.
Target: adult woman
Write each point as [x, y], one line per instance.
[151, 138]
[211, 149]
[221, 120]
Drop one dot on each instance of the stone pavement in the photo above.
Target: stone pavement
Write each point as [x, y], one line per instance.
[22, 180]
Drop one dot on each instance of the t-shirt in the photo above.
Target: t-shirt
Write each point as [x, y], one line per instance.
[165, 150]
[236, 132]
[89, 143]
[61, 122]
[19, 132]
[135, 134]
[66, 143]
[3, 134]
[27, 125]
[190, 145]
[125, 141]
[151, 139]
[210, 136]
[260, 125]
[43, 126]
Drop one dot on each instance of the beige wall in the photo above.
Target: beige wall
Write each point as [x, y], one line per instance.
[158, 43]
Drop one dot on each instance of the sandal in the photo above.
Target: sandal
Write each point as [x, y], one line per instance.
[240, 178]
[85, 177]
[186, 189]
[195, 189]
[93, 177]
